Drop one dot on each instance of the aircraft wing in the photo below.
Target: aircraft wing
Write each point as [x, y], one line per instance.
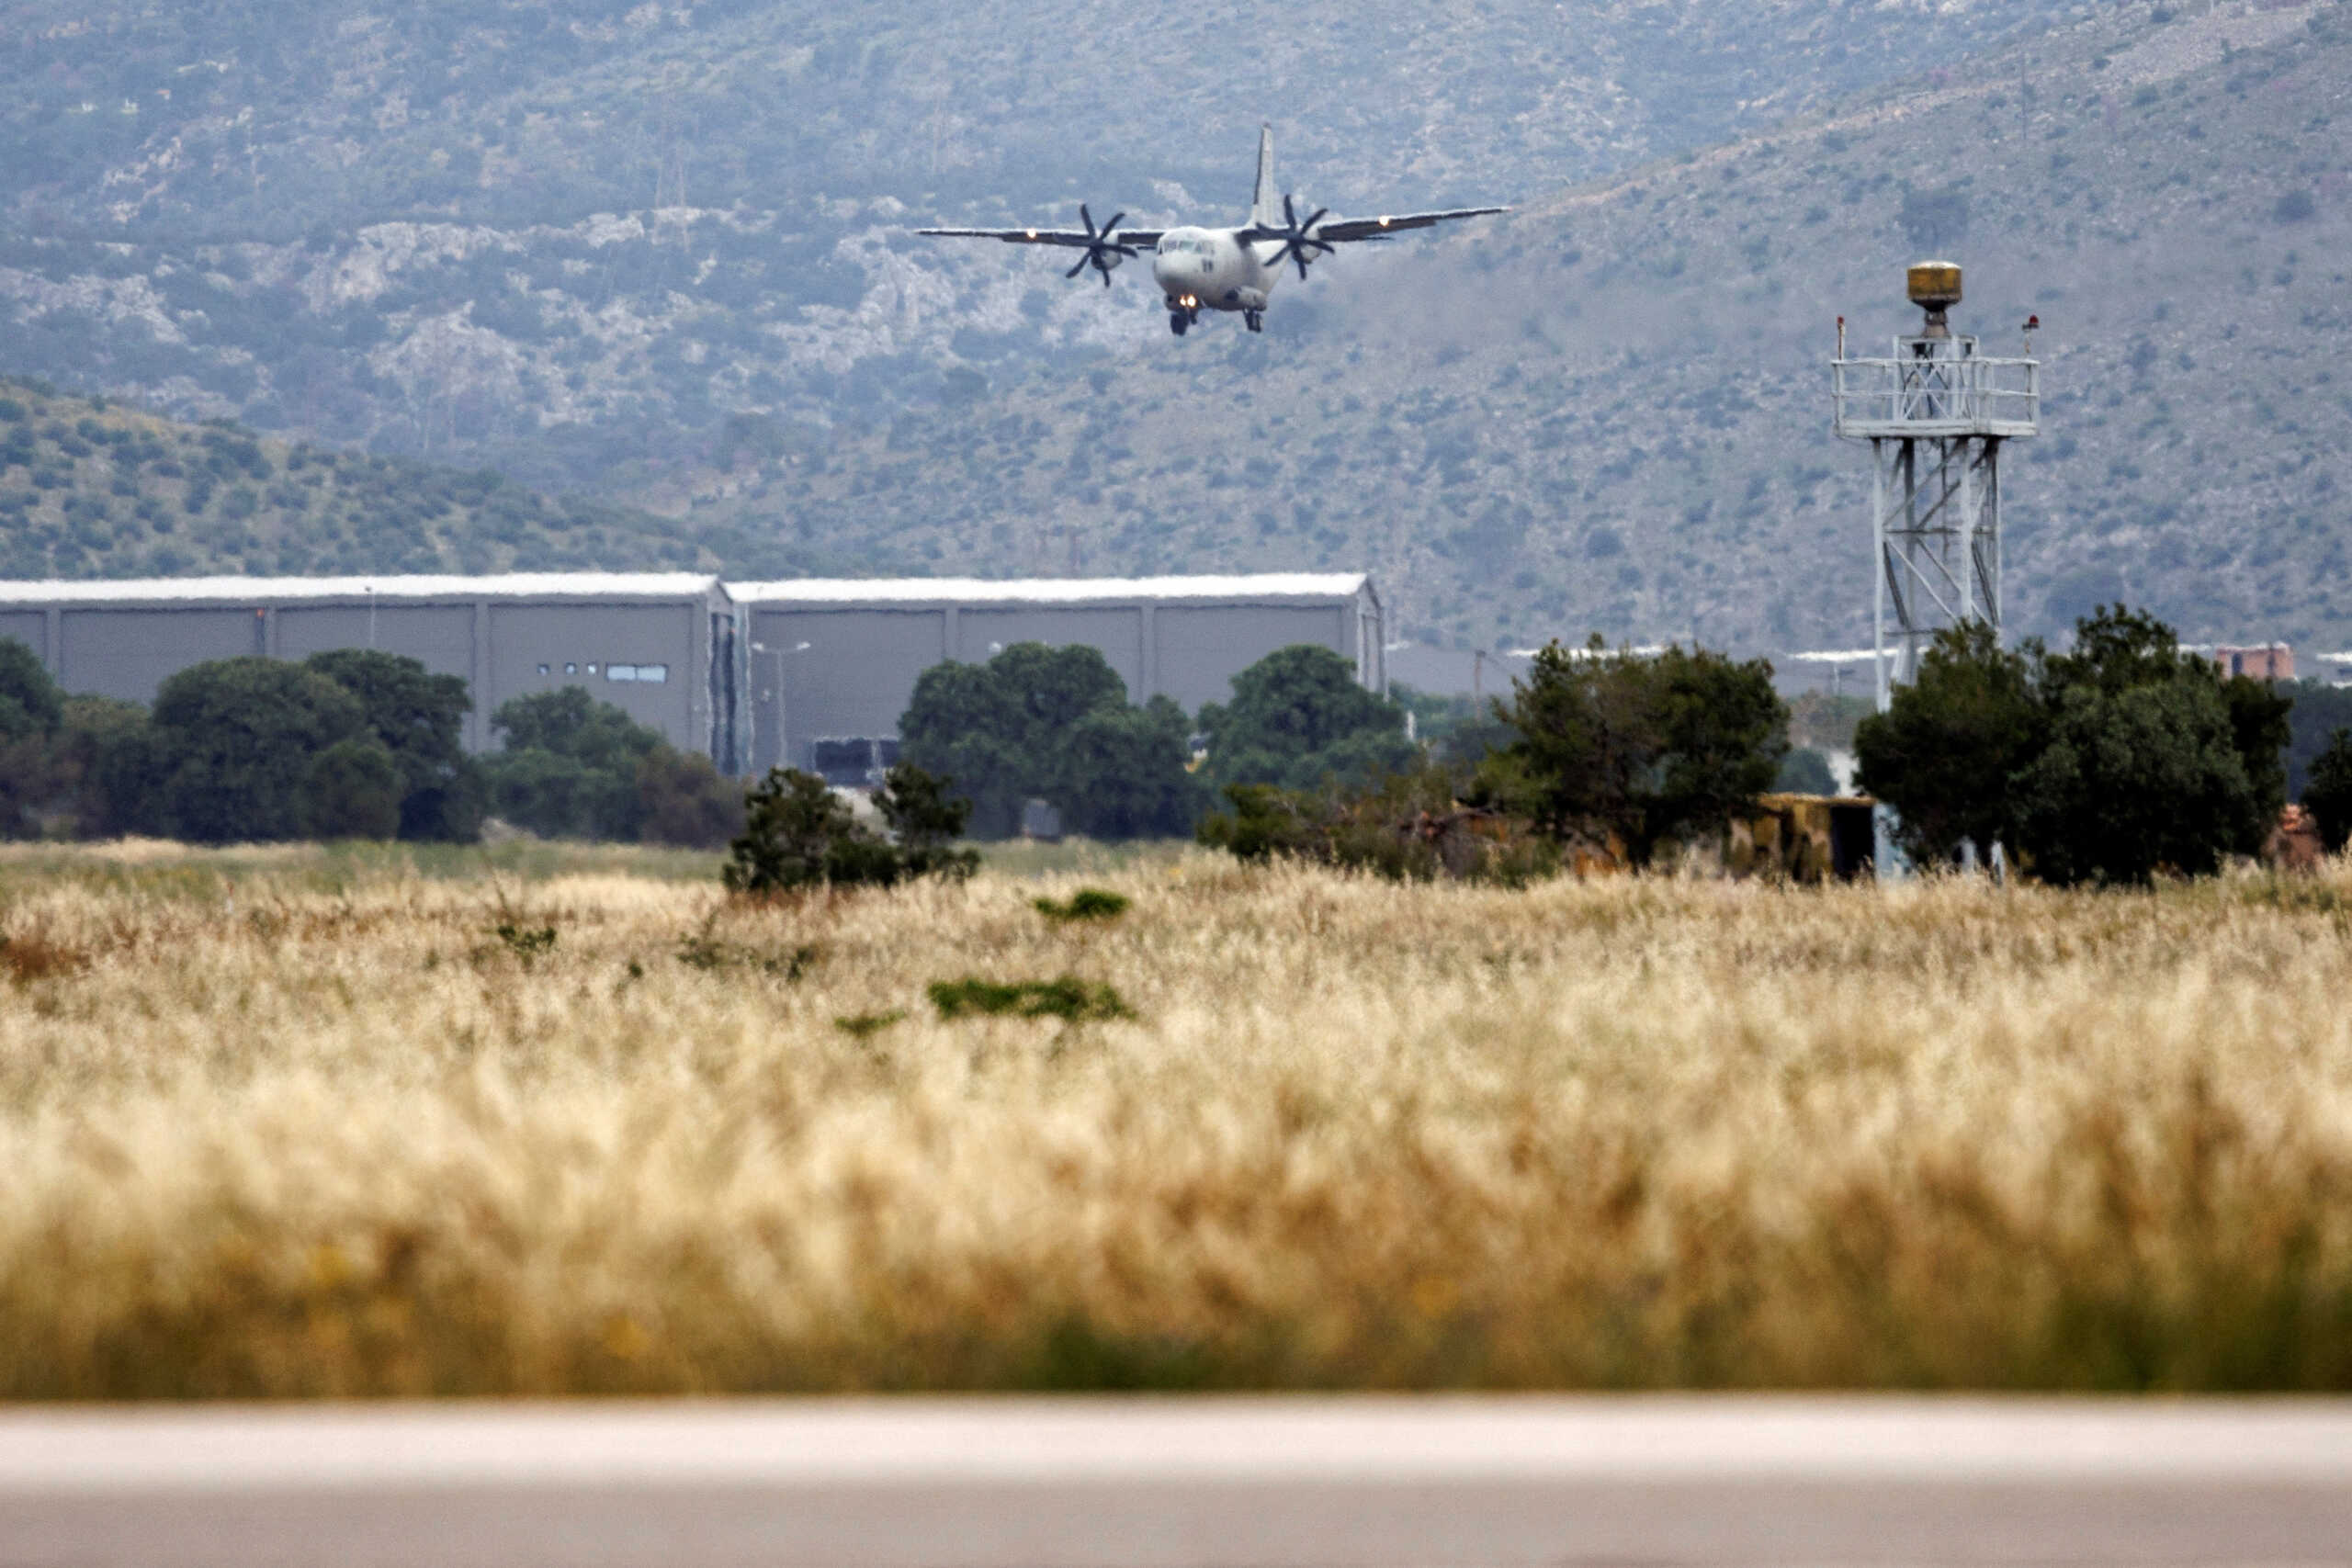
[1076, 239]
[1339, 231]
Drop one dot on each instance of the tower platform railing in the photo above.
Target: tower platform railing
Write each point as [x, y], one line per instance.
[1936, 387]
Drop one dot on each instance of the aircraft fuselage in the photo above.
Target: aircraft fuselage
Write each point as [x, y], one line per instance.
[1214, 269]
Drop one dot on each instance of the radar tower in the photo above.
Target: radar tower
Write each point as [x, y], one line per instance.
[1935, 414]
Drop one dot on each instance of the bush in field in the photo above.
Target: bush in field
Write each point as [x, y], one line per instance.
[685, 800]
[1430, 823]
[800, 834]
[1298, 719]
[1641, 748]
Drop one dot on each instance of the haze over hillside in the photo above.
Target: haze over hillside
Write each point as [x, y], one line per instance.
[659, 253]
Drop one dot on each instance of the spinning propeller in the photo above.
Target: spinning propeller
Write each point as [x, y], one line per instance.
[1297, 238]
[1103, 247]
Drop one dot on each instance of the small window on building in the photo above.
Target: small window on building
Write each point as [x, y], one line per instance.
[543, 668]
[592, 667]
[621, 671]
[657, 674]
[572, 668]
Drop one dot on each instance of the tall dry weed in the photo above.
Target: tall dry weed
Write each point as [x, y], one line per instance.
[267, 1139]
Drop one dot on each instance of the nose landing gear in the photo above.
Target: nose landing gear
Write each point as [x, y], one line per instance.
[1182, 315]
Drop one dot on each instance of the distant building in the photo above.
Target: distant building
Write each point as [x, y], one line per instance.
[659, 645]
[830, 664]
[2259, 661]
[816, 673]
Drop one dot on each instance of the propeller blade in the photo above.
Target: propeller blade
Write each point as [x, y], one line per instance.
[1112, 227]
[1084, 218]
[1080, 266]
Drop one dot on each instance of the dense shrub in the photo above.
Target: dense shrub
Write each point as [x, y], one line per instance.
[799, 833]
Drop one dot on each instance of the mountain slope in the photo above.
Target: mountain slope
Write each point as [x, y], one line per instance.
[91, 488]
[1609, 413]
[576, 239]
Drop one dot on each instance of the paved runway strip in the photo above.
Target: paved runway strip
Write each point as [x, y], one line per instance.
[1155, 1483]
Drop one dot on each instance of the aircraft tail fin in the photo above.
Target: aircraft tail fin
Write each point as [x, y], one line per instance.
[1265, 202]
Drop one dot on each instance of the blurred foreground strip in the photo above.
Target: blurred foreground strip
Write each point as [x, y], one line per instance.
[1138, 1483]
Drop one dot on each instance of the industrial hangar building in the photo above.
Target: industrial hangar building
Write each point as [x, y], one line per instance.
[824, 662]
[660, 645]
[832, 661]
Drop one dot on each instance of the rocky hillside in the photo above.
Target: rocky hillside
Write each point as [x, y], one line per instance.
[576, 239]
[1609, 412]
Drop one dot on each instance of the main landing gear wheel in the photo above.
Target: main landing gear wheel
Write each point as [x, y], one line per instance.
[1254, 319]
[1177, 321]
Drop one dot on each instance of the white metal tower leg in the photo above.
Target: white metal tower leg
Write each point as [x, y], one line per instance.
[1882, 572]
[1966, 564]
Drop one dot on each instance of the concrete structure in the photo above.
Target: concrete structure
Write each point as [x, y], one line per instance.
[1319, 1481]
[659, 645]
[836, 661]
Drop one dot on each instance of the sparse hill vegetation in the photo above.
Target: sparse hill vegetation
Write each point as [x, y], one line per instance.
[93, 488]
[1611, 412]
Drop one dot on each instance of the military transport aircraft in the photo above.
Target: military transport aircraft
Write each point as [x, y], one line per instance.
[1219, 269]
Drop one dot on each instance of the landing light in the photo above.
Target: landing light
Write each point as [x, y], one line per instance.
[1032, 233]
[1383, 222]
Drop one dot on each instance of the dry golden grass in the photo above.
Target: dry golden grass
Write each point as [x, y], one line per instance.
[317, 1128]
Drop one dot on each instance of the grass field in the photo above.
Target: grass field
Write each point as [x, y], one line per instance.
[304, 1122]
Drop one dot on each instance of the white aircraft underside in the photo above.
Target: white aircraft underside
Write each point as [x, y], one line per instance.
[1220, 269]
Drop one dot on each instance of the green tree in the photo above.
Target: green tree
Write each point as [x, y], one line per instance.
[1123, 774]
[1646, 749]
[570, 766]
[2149, 763]
[420, 720]
[353, 791]
[235, 740]
[1054, 724]
[963, 724]
[31, 703]
[1298, 718]
[111, 759]
[2319, 711]
[2328, 795]
[1944, 752]
[32, 710]
[2135, 781]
